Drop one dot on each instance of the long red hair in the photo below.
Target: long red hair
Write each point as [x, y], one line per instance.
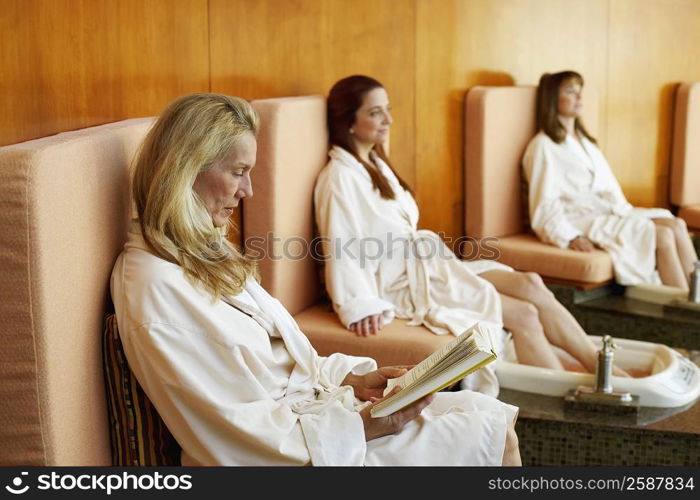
[344, 99]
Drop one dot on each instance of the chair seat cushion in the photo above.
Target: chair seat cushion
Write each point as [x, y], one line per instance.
[527, 253]
[395, 344]
[691, 215]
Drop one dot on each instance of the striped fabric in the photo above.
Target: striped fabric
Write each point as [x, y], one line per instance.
[138, 434]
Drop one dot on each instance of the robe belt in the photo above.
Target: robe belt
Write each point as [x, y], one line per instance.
[301, 402]
[601, 203]
[304, 403]
[417, 277]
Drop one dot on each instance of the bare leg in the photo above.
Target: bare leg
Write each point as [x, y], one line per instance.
[511, 453]
[560, 327]
[667, 259]
[531, 345]
[686, 250]
[570, 363]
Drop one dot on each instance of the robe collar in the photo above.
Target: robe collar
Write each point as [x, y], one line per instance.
[345, 158]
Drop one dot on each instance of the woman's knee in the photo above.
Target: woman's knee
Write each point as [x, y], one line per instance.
[533, 287]
[677, 225]
[523, 316]
[512, 437]
[511, 452]
[665, 238]
[680, 228]
[533, 279]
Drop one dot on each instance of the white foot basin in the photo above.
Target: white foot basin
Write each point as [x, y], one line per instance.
[674, 379]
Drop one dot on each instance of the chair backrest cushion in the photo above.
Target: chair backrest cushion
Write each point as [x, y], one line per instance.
[685, 155]
[278, 221]
[500, 121]
[64, 210]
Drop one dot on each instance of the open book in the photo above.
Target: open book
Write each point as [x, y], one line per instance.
[452, 362]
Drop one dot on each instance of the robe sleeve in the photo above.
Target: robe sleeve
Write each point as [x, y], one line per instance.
[321, 431]
[211, 400]
[350, 276]
[334, 368]
[547, 217]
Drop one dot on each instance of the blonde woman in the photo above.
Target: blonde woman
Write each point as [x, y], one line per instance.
[231, 374]
[576, 202]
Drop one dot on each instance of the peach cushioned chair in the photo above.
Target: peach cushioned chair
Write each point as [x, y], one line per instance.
[292, 150]
[500, 121]
[685, 157]
[64, 210]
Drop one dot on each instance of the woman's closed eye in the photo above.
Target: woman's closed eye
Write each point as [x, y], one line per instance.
[377, 112]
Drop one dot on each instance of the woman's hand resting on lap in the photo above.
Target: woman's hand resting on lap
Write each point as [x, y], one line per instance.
[581, 244]
[368, 326]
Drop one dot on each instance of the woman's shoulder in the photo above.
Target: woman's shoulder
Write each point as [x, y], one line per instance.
[342, 169]
[540, 143]
[151, 290]
[141, 273]
[541, 139]
[139, 270]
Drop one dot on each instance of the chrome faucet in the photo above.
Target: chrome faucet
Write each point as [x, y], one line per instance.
[603, 395]
[694, 292]
[603, 375]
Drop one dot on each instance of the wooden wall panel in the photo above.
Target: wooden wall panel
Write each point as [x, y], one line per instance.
[465, 43]
[68, 64]
[653, 47]
[272, 48]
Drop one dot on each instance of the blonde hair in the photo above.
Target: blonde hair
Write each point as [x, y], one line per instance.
[193, 133]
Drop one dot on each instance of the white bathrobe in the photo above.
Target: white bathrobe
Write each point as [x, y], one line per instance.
[572, 191]
[378, 262]
[237, 382]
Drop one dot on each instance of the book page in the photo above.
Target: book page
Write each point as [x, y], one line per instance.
[475, 340]
[441, 375]
[420, 370]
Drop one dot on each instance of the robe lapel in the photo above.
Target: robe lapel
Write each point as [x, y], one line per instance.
[403, 199]
[272, 316]
[579, 150]
[597, 165]
[259, 316]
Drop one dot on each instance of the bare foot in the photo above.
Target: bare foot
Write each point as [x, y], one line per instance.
[619, 372]
[638, 373]
[572, 365]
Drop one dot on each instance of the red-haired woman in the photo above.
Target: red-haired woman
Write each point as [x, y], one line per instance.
[381, 266]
